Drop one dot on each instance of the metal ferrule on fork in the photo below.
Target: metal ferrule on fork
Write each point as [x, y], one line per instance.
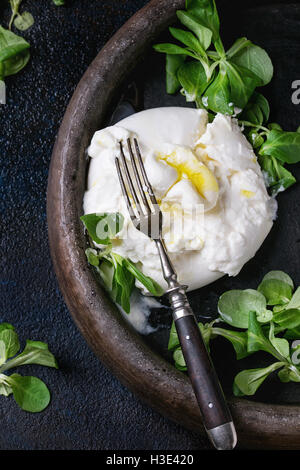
[179, 303]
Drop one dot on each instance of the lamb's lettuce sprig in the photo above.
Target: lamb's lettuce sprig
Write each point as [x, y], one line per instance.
[225, 82]
[21, 21]
[218, 80]
[14, 50]
[24, 20]
[30, 393]
[14, 53]
[266, 320]
[118, 274]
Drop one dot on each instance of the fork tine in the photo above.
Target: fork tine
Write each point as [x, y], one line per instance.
[124, 191]
[129, 181]
[143, 171]
[138, 178]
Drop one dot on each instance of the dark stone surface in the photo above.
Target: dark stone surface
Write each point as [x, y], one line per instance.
[89, 407]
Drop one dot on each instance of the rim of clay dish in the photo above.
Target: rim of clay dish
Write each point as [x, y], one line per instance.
[120, 348]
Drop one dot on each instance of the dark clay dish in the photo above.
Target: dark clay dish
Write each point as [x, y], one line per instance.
[272, 418]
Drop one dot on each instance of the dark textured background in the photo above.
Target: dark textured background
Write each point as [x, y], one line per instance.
[89, 408]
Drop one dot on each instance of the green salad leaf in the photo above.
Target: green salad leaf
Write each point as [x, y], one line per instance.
[30, 393]
[21, 21]
[237, 46]
[24, 21]
[242, 83]
[10, 344]
[118, 274]
[248, 381]
[277, 288]
[122, 283]
[6, 326]
[289, 374]
[255, 59]
[238, 72]
[173, 338]
[14, 50]
[103, 227]
[288, 318]
[295, 300]
[14, 53]
[203, 34]
[5, 388]
[173, 64]
[190, 76]
[257, 111]
[226, 82]
[206, 14]
[217, 95]
[277, 177]
[280, 344]
[152, 286]
[35, 352]
[257, 340]
[235, 306]
[238, 340]
[264, 330]
[284, 146]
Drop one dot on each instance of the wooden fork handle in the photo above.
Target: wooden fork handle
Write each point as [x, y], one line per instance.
[210, 397]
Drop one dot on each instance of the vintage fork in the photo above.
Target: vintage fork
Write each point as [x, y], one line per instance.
[146, 215]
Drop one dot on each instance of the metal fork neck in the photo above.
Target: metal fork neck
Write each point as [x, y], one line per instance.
[166, 264]
[176, 291]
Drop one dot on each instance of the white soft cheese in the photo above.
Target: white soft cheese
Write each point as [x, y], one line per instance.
[190, 163]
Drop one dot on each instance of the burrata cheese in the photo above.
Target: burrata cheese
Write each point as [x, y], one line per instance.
[216, 209]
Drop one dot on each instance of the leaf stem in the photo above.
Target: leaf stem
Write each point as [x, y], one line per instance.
[17, 361]
[4, 379]
[249, 124]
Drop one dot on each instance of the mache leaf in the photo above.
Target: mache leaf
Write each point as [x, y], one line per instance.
[238, 340]
[152, 286]
[30, 393]
[277, 177]
[205, 13]
[24, 21]
[187, 38]
[275, 291]
[289, 318]
[217, 95]
[248, 381]
[280, 344]
[242, 83]
[235, 306]
[255, 59]
[103, 227]
[35, 352]
[11, 341]
[173, 63]
[285, 146]
[203, 34]
[192, 78]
